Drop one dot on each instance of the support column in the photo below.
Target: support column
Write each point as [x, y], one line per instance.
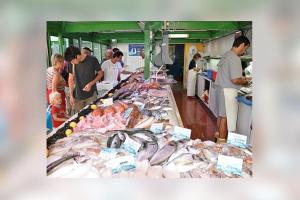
[49, 49]
[60, 43]
[147, 44]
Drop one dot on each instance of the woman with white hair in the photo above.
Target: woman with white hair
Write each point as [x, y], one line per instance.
[55, 81]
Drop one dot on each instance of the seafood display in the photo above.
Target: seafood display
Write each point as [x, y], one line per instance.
[117, 140]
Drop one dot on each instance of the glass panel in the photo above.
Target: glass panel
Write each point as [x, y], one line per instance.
[103, 47]
[66, 44]
[97, 51]
[75, 42]
[54, 44]
[86, 44]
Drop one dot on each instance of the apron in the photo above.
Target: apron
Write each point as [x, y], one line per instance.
[231, 105]
[191, 82]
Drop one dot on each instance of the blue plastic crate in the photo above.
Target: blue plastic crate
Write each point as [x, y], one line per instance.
[209, 74]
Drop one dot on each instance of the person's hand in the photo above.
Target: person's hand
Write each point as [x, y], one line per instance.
[72, 101]
[88, 87]
[249, 79]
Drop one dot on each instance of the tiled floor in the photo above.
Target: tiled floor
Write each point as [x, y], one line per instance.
[195, 115]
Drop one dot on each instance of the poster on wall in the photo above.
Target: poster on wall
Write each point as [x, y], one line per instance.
[135, 49]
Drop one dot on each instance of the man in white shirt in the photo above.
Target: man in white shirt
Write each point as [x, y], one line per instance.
[111, 67]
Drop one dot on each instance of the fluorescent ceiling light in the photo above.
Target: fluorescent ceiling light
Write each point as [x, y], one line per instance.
[179, 35]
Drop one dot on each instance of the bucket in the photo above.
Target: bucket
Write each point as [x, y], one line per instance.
[214, 75]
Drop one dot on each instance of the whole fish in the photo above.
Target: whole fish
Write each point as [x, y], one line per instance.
[147, 151]
[51, 166]
[187, 161]
[163, 153]
[146, 136]
[117, 139]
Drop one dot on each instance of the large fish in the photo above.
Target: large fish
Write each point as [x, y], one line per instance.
[147, 151]
[163, 153]
[187, 161]
[60, 161]
[117, 139]
[148, 136]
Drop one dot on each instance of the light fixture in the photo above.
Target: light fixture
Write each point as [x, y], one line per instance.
[178, 35]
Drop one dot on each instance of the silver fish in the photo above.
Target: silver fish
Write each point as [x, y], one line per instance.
[146, 136]
[187, 161]
[163, 153]
[117, 139]
[147, 151]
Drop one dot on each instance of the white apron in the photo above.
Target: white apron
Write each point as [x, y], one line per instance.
[191, 82]
[231, 105]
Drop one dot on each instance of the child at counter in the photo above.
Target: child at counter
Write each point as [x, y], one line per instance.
[57, 110]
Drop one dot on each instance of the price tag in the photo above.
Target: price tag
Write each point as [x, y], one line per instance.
[230, 165]
[237, 140]
[180, 133]
[156, 128]
[127, 112]
[108, 153]
[107, 102]
[124, 163]
[131, 146]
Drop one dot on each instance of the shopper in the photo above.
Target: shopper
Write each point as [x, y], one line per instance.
[111, 67]
[86, 51]
[84, 72]
[121, 63]
[107, 56]
[55, 82]
[65, 74]
[229, 76]
[192, 76]
[57, 110]
[142, 54]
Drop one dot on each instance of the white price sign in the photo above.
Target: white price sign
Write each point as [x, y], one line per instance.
[180, 133]
[157, 128]
[237, 140]
[230, 165]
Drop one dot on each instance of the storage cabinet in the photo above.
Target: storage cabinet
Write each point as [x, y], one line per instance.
[244, 121]
[213, 98]
[204, 83]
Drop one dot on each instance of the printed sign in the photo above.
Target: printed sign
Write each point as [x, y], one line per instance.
[124, 163]
[237, 140]
[108, 153]
[180, 133]
[230, 165]
[156, 128]
[127, 112]
[135, 49]
[131, 146]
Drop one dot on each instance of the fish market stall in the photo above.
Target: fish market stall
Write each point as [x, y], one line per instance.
[135, 130]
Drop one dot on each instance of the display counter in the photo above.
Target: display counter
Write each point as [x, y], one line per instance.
[139, 134]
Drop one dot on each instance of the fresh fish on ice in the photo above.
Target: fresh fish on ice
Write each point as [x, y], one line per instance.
[164, 153]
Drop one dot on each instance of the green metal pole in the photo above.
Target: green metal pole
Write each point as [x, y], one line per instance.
[60, 43]
[93, 46]
[100, 46]
[49, 49]
[147, 43]
[79, 42]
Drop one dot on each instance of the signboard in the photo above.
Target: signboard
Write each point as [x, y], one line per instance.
[135, 49]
